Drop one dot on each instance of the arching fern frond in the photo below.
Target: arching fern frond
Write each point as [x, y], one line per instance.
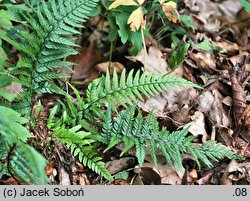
[80, 145]
[127, 89]
[144, 134]
[44, 42]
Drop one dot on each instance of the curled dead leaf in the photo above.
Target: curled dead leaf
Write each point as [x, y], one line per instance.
[146, 176]
[235, 172]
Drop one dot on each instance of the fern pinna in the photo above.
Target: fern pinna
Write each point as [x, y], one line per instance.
[44, 42]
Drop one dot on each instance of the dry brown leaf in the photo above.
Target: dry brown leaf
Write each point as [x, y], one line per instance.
[203, 60]
[154, 60]
[231, 48]
[208, 11]
[163, 174]
[210, 103]
[118, 165]
[148, 175]
[224, 136]
[64, 177]
[86, 59]
[15, 88]
[111, 65]
[162, 103]
[181, 116]
[217, 113]
[120, 182]
[205, 180]
[197, 125]
[205, 101]
[83, 180]
[235, 172]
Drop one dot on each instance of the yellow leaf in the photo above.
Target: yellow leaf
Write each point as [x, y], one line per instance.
[169, 9]
[140, 2]
[161, 1]
[125, 3]
[170, 5]
[122, 3]
[136, 19]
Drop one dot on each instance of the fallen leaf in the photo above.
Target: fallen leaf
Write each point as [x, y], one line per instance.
[154, 60]
[224, 135]
[120, 182]
[205, 101]
[147, 176]
[205, 180]
[64, 177]
[86, 60]
[235, 172]
[231, 48]
[203, 60]
[118, 165]
[217, 113]
[211, 105]
[111, 65]
[197, 125]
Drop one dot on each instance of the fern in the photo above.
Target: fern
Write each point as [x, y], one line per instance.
[127, 90]
[68, 129]
[45, 40]
[144, 134]
[130, 127]
[20, 159]
[80, 145]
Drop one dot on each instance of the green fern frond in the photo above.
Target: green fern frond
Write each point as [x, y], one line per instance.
[28, 164]
[44, 42]
[80, 145]
[21, 159]
[126, 90]
[144, 134]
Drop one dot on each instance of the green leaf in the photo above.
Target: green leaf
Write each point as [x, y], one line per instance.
[121, 21]
[246, 5]
[187, 21]
[122, 175]
[209, 47]
[7, 95]
[5, 20]
[12, 123]
[178, 56]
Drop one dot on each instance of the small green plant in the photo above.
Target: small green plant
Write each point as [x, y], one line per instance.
[131, 21]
